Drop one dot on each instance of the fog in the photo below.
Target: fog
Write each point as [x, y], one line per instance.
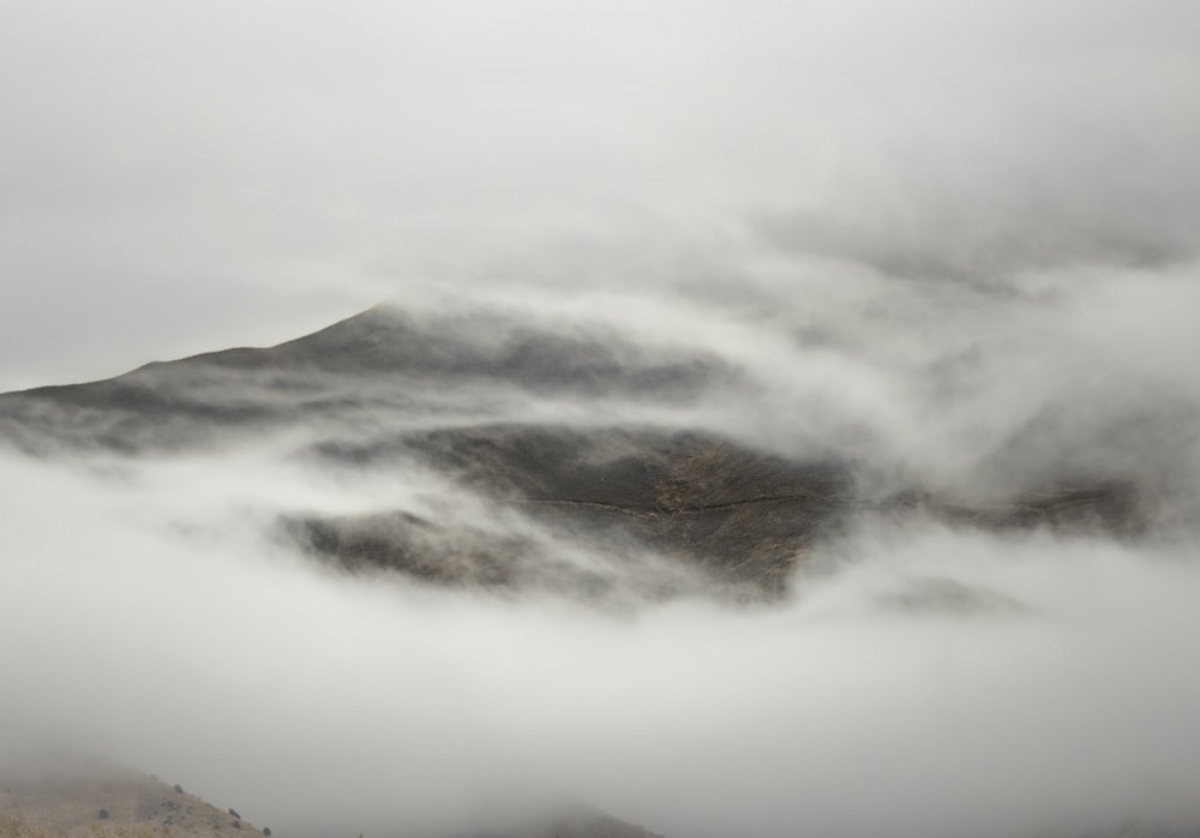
[953, 245]
[152, 620]
[919, 679]
[176, 180]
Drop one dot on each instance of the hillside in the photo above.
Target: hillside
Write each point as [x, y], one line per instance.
[95, 799]
[98, 799]
[678, 508]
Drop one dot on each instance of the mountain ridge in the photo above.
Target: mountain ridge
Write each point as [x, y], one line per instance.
[384, 390]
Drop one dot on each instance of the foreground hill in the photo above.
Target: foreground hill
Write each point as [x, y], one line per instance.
[97, 799]
[101, 800]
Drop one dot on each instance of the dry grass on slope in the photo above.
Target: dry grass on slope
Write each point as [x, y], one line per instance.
[106, 801]
[11, 827]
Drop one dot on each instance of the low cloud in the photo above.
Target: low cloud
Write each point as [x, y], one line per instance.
[158, 624]
[919, 679]
[953, 250]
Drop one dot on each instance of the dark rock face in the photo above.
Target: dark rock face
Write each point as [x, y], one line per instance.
[589, 509]
[679, 494]
[742, 518]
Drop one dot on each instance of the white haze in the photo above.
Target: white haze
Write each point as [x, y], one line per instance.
[955, 242]
[174, 179]
[156, 620]
[149, 620]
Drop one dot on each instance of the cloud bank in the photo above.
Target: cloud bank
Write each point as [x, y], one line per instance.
[954, 247]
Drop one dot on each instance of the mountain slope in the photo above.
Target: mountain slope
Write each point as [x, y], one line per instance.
[588, 438]
[97, 799]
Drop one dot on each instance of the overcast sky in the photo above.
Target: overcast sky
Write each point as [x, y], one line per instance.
[958, 240]
[175, 178]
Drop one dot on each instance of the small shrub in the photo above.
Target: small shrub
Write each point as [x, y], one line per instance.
[234, 813]
[266, 832]
[178, 789]
[103, 814]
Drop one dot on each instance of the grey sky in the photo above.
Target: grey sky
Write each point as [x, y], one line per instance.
[179, 178]
[956, 241]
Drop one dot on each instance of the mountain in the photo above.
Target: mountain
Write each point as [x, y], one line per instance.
[579, 432]
[382, 360]
[516, 458]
